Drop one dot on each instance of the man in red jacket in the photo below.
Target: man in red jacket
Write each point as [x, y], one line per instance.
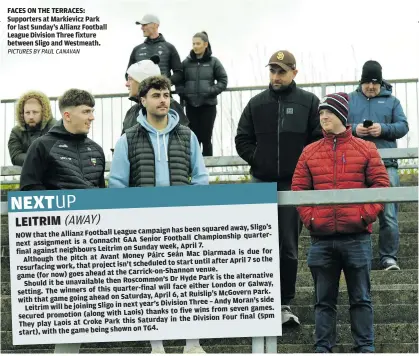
[340, 234]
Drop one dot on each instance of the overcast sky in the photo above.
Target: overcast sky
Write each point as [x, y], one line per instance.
[330, 39]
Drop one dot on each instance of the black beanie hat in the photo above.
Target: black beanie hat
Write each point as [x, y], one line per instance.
[371, 72]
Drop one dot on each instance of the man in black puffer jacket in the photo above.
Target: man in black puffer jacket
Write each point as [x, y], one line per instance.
[65, 158]
[155, 44]
[274, 128]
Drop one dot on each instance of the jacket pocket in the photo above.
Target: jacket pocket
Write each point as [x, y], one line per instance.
[366, 216]
[352, 221]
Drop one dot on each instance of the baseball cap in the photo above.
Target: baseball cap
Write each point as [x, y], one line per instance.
[284, 59]
[149, 18]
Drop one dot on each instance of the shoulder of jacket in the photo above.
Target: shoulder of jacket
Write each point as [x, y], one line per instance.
[306, 96]
[141, 44]
[362, 146]
[304, 92]
[132, 128]
[17, 129]
[260, 96]
[170, 46]
[312, 148]
[94, 144]
[182, 128]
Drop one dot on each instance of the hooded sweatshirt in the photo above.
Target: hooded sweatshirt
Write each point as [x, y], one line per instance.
[120, 168]
[23, 135]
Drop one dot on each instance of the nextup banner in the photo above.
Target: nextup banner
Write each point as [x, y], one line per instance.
[144, 264]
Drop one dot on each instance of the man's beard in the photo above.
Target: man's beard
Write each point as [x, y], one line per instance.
[283, 87]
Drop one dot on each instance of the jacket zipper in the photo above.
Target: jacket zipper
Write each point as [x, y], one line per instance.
[197, 78]
[280, 125]
[80, 163]
[334, 178]
[343, 162]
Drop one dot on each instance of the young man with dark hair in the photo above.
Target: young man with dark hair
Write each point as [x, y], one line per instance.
[138, 72]
[158, 151]
[65, 158]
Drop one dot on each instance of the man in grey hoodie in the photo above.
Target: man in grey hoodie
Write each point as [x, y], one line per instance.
[158, 151]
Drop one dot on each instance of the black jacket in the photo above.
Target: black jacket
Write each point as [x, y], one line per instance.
[273, 130]
[61, 160]
[22, 137]
[169, 57]
[131, 116]
[199, 76]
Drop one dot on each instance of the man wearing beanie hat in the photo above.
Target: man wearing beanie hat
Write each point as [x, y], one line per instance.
[340, 234]
[273, 129]
[136, 73]
[372, 103]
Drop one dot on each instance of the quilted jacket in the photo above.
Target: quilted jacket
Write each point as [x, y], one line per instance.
[339, 162]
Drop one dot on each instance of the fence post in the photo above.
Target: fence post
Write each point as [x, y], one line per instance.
[258, 345]
[323, 87]
[271, 345]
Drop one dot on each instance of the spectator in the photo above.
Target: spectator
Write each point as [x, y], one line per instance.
[201, 70]
[137, 72]
[341, 234]
[272, 132]
[158, 151]
[155, 44]
[33, 119]
[373, 101]
[65, 158]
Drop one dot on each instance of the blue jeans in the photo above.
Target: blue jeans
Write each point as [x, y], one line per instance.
[388, 243]
[327, 257]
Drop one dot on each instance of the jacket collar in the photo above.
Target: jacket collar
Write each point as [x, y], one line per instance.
[340, 138]
[279, 93]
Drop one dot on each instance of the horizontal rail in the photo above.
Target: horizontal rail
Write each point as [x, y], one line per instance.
[239, 172]
[348, 196]
[233, 161]
[336, 196]
[255, 87]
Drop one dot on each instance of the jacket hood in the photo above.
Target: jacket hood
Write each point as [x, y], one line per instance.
[173, 120]
[60, 130]
[155, 40]
[159, 135]
[43, 100]
[386, 89]
[206, 57]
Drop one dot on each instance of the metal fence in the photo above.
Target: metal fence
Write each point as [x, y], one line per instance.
[111, 108]
[289, 198]
[223, 168]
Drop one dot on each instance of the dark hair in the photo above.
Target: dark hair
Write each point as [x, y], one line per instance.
[75, 97]
[202, 35]
[157, 82]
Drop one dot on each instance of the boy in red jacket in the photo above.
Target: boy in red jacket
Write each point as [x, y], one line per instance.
[340, 234]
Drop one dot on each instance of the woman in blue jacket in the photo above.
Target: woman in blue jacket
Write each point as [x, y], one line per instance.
[204, 79]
